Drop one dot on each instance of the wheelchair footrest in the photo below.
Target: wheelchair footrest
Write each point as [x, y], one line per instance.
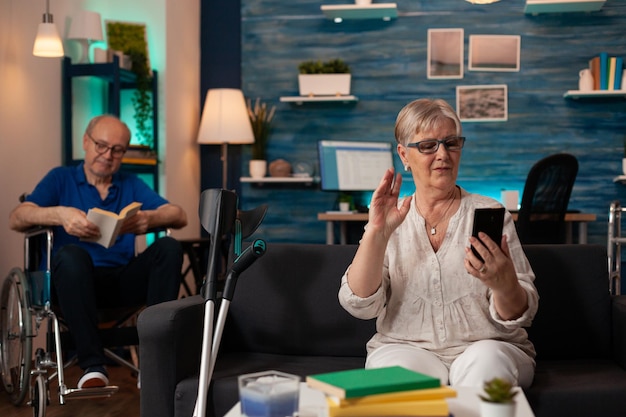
[75, 393]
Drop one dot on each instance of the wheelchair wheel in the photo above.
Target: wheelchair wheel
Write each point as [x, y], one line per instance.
[39, 396]
[15, 332]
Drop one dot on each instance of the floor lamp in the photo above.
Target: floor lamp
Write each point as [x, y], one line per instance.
[225, 121]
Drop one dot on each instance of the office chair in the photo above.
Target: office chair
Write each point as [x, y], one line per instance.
[541, 218]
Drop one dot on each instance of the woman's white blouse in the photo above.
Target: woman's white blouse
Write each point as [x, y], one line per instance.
[428, 300]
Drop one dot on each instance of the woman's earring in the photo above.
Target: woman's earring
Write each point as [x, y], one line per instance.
[407, 168]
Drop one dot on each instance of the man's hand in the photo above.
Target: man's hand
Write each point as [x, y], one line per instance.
[75, 223]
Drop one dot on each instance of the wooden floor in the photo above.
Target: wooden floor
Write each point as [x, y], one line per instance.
[124, 403]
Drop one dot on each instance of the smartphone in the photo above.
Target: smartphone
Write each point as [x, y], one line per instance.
[489, 221]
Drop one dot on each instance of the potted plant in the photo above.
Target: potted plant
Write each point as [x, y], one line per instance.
[498, 398]
[261, 120]
[330, 78]
[346, 202]
[130, 38]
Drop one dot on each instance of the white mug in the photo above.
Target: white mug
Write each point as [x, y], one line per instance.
[623, 86]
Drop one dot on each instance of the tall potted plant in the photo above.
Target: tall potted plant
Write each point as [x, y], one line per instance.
[261, 120]
[330, 78]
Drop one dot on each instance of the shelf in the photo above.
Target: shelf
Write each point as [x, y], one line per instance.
[312, 99]
[340, 12]
[280, 180]
[595, 94]
[562, 6]
[620, 179]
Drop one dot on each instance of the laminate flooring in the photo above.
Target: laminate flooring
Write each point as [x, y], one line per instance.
[124, 403]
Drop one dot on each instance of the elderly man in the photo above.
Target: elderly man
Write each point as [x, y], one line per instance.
[85, 275]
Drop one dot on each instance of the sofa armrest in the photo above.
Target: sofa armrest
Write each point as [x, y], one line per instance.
[619, 329]
[170, 345]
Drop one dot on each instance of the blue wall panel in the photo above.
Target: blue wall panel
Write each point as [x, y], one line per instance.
[388, 61]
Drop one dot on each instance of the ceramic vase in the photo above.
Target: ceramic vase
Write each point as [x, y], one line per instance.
[624, 166]
[488, 409]
[258, 168]
[585, 82]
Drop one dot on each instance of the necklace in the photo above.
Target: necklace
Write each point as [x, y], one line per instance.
[433, 227]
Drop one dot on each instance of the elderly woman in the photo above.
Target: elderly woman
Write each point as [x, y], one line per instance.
[440, 309]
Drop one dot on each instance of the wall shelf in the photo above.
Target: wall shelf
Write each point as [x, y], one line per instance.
[319, 99]
[340, 12]
[562, 6]
[595, 94]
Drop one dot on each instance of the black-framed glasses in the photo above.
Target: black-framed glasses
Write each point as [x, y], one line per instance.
[116, 151]
[428, 146]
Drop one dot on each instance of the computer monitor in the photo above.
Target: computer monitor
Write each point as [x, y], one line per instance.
[353, 165]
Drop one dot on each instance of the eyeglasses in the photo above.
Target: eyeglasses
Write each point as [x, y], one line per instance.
[429, 146]
[101, 148]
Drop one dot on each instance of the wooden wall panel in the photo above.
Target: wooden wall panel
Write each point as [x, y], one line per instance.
[388, 61]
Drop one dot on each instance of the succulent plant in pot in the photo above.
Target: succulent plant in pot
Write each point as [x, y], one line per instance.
[498, 399]
[329, 78]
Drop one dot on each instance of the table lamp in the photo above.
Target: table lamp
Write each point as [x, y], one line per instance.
[86, 27]
[48, 42]
[225, 121]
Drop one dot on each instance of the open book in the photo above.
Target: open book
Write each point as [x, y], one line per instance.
[109, 223]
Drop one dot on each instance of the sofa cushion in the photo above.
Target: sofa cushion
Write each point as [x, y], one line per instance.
[574, 317]
[287, 302]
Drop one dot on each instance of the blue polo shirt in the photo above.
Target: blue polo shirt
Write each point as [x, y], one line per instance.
[68, 186]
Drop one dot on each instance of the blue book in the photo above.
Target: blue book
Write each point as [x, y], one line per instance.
[619, 68]
[604, 70]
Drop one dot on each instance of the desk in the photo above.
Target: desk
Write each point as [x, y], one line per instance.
[330, 218]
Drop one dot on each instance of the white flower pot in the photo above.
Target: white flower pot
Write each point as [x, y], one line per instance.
[324, 84]
[363, 2]
[488, 409]
[258, 168]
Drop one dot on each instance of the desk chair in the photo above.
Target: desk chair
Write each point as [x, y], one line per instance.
[545, 198]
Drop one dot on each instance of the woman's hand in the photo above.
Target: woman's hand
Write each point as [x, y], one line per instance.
[498, 273]
[384, 214]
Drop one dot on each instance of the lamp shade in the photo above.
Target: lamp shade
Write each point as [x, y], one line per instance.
[48, 42]
[86, 25]
[225, 118]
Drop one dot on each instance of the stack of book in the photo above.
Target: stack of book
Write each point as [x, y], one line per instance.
[606, 71]
[139, 154]
[390, 391]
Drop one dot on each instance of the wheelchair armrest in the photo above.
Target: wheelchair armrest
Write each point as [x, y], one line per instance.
[170, 345]
[38, 242]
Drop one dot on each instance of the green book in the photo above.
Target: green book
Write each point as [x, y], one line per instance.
[361, 382]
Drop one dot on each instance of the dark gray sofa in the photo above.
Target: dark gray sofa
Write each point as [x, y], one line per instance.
[285, 316]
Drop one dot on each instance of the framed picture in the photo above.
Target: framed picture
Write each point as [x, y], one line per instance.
[482, 103]
[445, 53]
[494, 53]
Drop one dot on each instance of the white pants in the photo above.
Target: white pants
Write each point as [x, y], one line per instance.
[480, 362]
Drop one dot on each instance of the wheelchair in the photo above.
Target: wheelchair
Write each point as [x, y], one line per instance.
[25, 306]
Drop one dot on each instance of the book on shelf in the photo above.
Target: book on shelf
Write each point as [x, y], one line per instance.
[611, 77]
[604, 70]
[109, 223]
[594, 66]
[361, 382]
[619, 72]
[140, 154]
[419, 408]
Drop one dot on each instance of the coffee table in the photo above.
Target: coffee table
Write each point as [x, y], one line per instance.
[466, 403]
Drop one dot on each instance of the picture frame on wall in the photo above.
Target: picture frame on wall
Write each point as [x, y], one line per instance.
[494, 53]
[482, 103]
[445, 53]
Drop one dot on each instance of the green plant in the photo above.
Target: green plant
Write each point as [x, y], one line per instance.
[261, 119]
[130, 38]
[335, 66]
[498, 390]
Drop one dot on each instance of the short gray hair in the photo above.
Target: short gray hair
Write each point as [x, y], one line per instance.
[424, 115]
[93, 122]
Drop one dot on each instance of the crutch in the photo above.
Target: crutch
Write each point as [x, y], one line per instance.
[211, 346]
